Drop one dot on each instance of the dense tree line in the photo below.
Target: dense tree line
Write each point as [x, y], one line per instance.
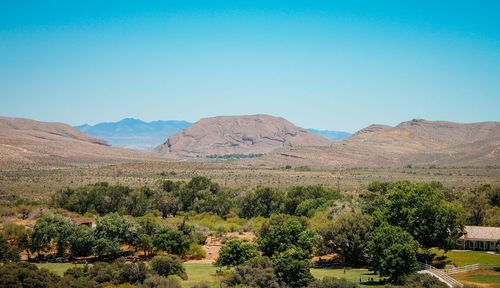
[110, 234]
[164, 271]
[384, 228]
[199, 195]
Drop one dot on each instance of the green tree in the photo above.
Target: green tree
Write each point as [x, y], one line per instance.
[293, 267]
[256, 272]
[145, 243]
[261, 202]
[8, 253]
[168, 265]
[52, 227]
[116, 228]
[476, 202]
[23, 274]
[148, 227]
[494, 197]
[106, 247]
[81, 241]
[304, 200]
[347, 236]
[393, 253]
[236, 252]
[374, 197]
[134, 273]
[398, 262]
[171, 241]
[282, 232]
[422, 211]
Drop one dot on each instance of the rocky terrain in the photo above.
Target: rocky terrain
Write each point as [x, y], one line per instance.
[27, 143]
[238, 135]
[416, 142]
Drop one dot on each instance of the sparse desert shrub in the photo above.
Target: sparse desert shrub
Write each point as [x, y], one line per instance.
[302, 168]
[201, 285]
[424, 280]
[157, 281]
[195, 251]
[6, 211]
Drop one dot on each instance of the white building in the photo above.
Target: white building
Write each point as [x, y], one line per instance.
[479, 238]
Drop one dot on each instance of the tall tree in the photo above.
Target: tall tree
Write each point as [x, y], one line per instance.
[476, 202]
[282, 232]
[423, 212]
[236, 252]
[263, 202]
[50, 228]
[347, 236]
[393, 253]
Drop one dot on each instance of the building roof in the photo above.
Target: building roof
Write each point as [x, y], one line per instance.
[81, 220]
[481, 233]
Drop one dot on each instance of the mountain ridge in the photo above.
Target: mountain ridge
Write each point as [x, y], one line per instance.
[30, 143]
[417, 141]
[148, 135]
[245, 134]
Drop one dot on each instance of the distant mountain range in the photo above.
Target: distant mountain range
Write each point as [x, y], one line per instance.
[133, 133]
[332, 135]
[27, 143]
[136, 134]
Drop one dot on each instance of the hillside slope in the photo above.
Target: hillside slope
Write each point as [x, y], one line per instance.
[29, 143]
[238, 135]
[417, 142]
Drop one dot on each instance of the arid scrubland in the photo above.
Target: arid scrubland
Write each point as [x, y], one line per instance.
[39, 184]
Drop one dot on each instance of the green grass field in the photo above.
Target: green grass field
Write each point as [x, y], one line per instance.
[473, 257]
[352, 275]
[58, 268]
[489, 278]
[206, 273]
[200, 273]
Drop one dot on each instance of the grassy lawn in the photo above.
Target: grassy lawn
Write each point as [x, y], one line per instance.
[350, 275]
[206, 273]
[198, 273]
[474, 257]
[486, 278]
[58, 268]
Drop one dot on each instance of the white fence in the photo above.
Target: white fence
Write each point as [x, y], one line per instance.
[462, 269]
[440, 275]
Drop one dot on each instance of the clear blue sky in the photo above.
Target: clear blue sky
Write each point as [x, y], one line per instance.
[320, 64]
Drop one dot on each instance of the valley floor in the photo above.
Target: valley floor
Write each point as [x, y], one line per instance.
[39, 184]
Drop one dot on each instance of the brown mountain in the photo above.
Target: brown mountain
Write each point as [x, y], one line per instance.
[29, 143]
[238, 135]
[418, 142]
